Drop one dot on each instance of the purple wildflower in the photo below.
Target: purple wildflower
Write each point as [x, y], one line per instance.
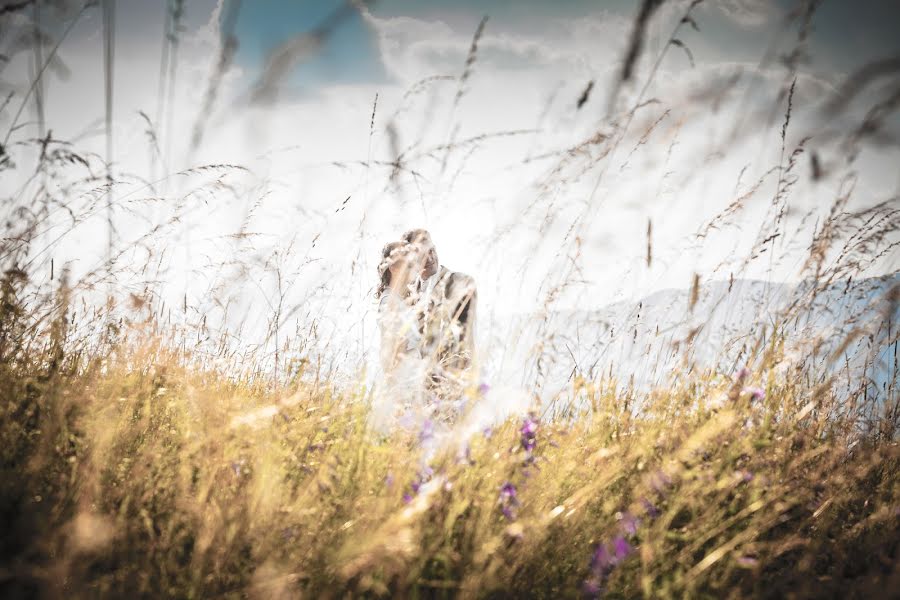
[483, 388]
[529, 426]
[407, 498]
[629, 524]
[508, 491]
[621, 549]
[427, 431]
[756, 393]
[529, 434]
[605, 559]
[650, 508]
[742, 374]
[601, 561]
[508, 500]
[487, 432]
[423, 476]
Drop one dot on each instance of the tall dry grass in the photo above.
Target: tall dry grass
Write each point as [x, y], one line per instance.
[145, 451]
[131, 470]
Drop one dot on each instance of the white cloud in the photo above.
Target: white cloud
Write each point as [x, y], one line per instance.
[413, 48]
[749, 13]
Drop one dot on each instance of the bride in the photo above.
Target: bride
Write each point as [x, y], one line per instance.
[398, 319]
[425, 317]
[402, 362]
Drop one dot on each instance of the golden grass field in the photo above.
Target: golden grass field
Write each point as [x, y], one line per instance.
[143, 456]
[125, 472]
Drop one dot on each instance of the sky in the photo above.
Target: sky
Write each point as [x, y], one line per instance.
[497, 160]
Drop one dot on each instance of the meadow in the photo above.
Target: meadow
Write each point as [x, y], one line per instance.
[147, 455]
[124, 473]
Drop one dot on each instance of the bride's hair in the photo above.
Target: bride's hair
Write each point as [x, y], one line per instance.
[422, 238]
[389, 255]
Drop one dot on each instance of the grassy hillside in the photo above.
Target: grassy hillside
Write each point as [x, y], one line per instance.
[131, 469]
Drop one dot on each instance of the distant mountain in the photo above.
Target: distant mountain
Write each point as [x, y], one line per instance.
[648, 340]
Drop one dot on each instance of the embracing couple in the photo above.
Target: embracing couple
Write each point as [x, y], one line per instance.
[426, 315]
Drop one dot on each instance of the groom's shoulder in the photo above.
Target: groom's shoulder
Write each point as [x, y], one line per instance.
[445, 274]
[456, 282]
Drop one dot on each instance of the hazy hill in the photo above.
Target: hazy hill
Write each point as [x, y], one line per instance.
[648, 339]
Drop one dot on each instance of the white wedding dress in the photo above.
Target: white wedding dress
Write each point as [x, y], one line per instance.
[403, 368]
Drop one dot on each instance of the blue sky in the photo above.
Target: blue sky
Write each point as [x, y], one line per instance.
[349, 55]
[848, 33]
[844, 36]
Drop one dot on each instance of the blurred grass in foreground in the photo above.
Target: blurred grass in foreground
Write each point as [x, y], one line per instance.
[126, 472]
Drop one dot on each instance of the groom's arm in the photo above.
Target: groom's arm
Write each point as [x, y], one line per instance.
[463, 295]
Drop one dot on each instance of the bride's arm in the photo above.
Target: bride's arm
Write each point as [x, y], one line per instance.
[399, 332]
[388, 335]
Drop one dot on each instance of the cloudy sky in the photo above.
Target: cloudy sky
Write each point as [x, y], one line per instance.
[525, 159]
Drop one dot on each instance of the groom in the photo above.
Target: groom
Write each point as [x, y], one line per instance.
[447, 299]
